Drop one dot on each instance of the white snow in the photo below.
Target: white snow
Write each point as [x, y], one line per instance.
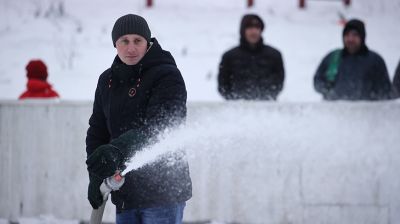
[77, 45]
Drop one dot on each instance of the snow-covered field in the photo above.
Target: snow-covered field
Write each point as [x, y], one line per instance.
[75, 40]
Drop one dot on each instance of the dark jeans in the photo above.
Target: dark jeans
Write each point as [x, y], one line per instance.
[168, 214]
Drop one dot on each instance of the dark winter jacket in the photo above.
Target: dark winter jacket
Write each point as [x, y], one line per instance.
[396, 82]
[251, 73]
[37, 88]
[360, 76]
[143, 99]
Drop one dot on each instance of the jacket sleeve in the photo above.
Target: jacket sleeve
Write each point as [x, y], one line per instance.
[166, 108]
[321, 84]
[396, 82]
[97, 134]
[279, 76]
[224, 83]
[381, 85]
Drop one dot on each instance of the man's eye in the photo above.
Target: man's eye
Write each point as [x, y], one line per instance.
[124, 41]
[137, 41]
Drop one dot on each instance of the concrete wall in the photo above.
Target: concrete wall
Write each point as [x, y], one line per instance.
[250, 162]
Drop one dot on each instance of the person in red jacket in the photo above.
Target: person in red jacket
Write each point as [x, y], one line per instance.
[37, 86]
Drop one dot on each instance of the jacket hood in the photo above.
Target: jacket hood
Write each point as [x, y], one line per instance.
[250, 20]
[359, 27]
[356, 25]
[156, 56]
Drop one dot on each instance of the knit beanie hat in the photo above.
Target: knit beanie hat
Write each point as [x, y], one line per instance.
[36, 69]
[130, 24]
[355, 25]
[251, 20]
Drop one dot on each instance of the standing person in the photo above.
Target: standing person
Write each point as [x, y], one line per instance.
[396, 82]
[137, 98]
[37, 86]
[252, 70]
[354, 72]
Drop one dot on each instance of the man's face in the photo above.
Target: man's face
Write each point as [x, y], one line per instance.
[352, 41]
[131, 48]
[252, 35]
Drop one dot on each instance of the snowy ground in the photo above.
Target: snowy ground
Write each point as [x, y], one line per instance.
[76, 42]
[51, 220]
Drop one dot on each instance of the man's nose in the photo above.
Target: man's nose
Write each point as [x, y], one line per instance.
[131, 47]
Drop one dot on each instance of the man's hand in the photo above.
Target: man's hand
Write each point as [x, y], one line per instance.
[104, 161]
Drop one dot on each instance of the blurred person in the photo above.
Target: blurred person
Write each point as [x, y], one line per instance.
[252, 70]
[139, 96]
[354, 72]
[396, 82]
[37, 86]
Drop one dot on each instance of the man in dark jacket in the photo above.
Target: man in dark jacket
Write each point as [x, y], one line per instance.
[354, 72]
[253, 70]
[137, 98]
[396, 82]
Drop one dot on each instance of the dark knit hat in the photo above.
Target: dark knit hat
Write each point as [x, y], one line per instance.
[355, 25]
[251, 20]
[130, 24]
[36, 69]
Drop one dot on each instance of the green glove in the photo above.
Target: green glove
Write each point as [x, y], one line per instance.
[109, 158]
[94, 195]
[104, 161]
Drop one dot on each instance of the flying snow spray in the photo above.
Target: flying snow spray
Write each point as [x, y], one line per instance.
[109, 184]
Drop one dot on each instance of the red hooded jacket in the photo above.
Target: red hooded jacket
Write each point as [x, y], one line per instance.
[38, 89]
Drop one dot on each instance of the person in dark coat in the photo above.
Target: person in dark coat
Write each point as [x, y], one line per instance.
[253, 70]
[142, 94]
[37, 86]
[396, 82]
[354, 72]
